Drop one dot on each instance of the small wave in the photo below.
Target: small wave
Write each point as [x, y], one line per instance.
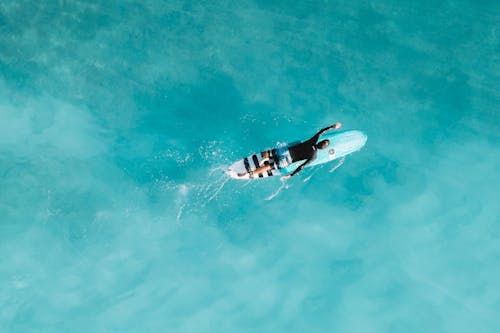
[313, 173]
[179, 213]
[338, 165]
[283, 185]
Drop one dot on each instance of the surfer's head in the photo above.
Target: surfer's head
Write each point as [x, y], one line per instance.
[323, 144]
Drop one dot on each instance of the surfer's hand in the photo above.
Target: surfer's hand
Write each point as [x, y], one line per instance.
[337, 125]
[286, 177]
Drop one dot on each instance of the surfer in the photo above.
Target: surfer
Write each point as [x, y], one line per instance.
[304, 151]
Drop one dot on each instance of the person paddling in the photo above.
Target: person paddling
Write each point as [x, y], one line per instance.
[305, 151]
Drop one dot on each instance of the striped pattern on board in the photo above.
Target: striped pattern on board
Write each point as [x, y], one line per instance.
[252, 163]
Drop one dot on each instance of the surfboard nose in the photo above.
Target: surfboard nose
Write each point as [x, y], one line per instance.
[348, 142]
[363, 138]
[358, 140]
[357, 137]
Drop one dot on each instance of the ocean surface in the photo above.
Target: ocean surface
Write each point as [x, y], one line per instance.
[117, 119]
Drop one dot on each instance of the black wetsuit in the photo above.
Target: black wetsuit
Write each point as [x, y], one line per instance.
[306, 150]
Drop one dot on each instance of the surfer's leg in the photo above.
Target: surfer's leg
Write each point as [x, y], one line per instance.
[260, 170]
[256, 171]
[265, 156]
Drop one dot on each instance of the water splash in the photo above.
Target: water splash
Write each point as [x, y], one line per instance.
[221, 182]
[222, 168]
[194, 197]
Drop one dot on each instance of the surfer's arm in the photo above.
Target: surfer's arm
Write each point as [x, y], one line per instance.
[334, 126]
[300, 167]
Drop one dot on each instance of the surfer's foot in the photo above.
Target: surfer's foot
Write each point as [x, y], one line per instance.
[337, 125]
[246, 173]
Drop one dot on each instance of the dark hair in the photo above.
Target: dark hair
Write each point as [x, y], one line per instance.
[323, 144]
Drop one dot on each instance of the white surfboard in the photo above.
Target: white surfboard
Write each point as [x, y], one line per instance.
[341, 144]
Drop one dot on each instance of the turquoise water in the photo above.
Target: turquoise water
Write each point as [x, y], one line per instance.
[116, 120]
